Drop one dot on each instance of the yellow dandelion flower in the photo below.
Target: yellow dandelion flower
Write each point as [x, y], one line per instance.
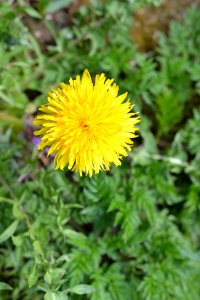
[87, 125]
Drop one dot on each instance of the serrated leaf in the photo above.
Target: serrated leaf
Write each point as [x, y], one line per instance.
[47, 277]
[75, 238]
[8, 232]
[55, 296]
[37, 248]
[82, 289]
[33, 277]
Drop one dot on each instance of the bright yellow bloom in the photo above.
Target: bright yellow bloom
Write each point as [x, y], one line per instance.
[87, 125]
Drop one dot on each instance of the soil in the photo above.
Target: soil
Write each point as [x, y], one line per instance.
[149, 21]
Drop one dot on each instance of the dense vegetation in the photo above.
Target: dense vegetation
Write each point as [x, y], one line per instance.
[132, 233]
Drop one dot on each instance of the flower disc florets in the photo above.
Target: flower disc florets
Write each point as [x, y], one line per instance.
[87, 126]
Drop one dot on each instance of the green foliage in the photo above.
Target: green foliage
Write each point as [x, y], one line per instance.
[178, 60]
[149, 2]
[128, 234]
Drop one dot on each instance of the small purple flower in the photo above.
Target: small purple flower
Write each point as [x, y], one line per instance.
[36, 141]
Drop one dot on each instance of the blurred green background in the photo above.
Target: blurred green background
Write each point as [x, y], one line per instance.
[129, 234]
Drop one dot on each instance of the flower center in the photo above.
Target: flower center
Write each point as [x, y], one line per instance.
[85, 125]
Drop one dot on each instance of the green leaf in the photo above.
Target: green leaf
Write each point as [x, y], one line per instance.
[47, 277]
[55, 296]
[17, 213]
[4, 286]
[33, 277]
[82, 289]
[56, 5]
[32, 12]
[8, 232]
[37, 248]
[75, 238]
[17, 240]
[7, 200]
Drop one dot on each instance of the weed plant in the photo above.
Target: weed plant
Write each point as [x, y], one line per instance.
[129, 234]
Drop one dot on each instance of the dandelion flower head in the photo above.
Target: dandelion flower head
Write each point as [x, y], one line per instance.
[87, 125]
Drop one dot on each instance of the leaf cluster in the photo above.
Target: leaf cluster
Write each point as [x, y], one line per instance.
[131, 233]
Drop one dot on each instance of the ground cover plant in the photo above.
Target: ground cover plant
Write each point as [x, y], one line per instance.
[128, 234]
